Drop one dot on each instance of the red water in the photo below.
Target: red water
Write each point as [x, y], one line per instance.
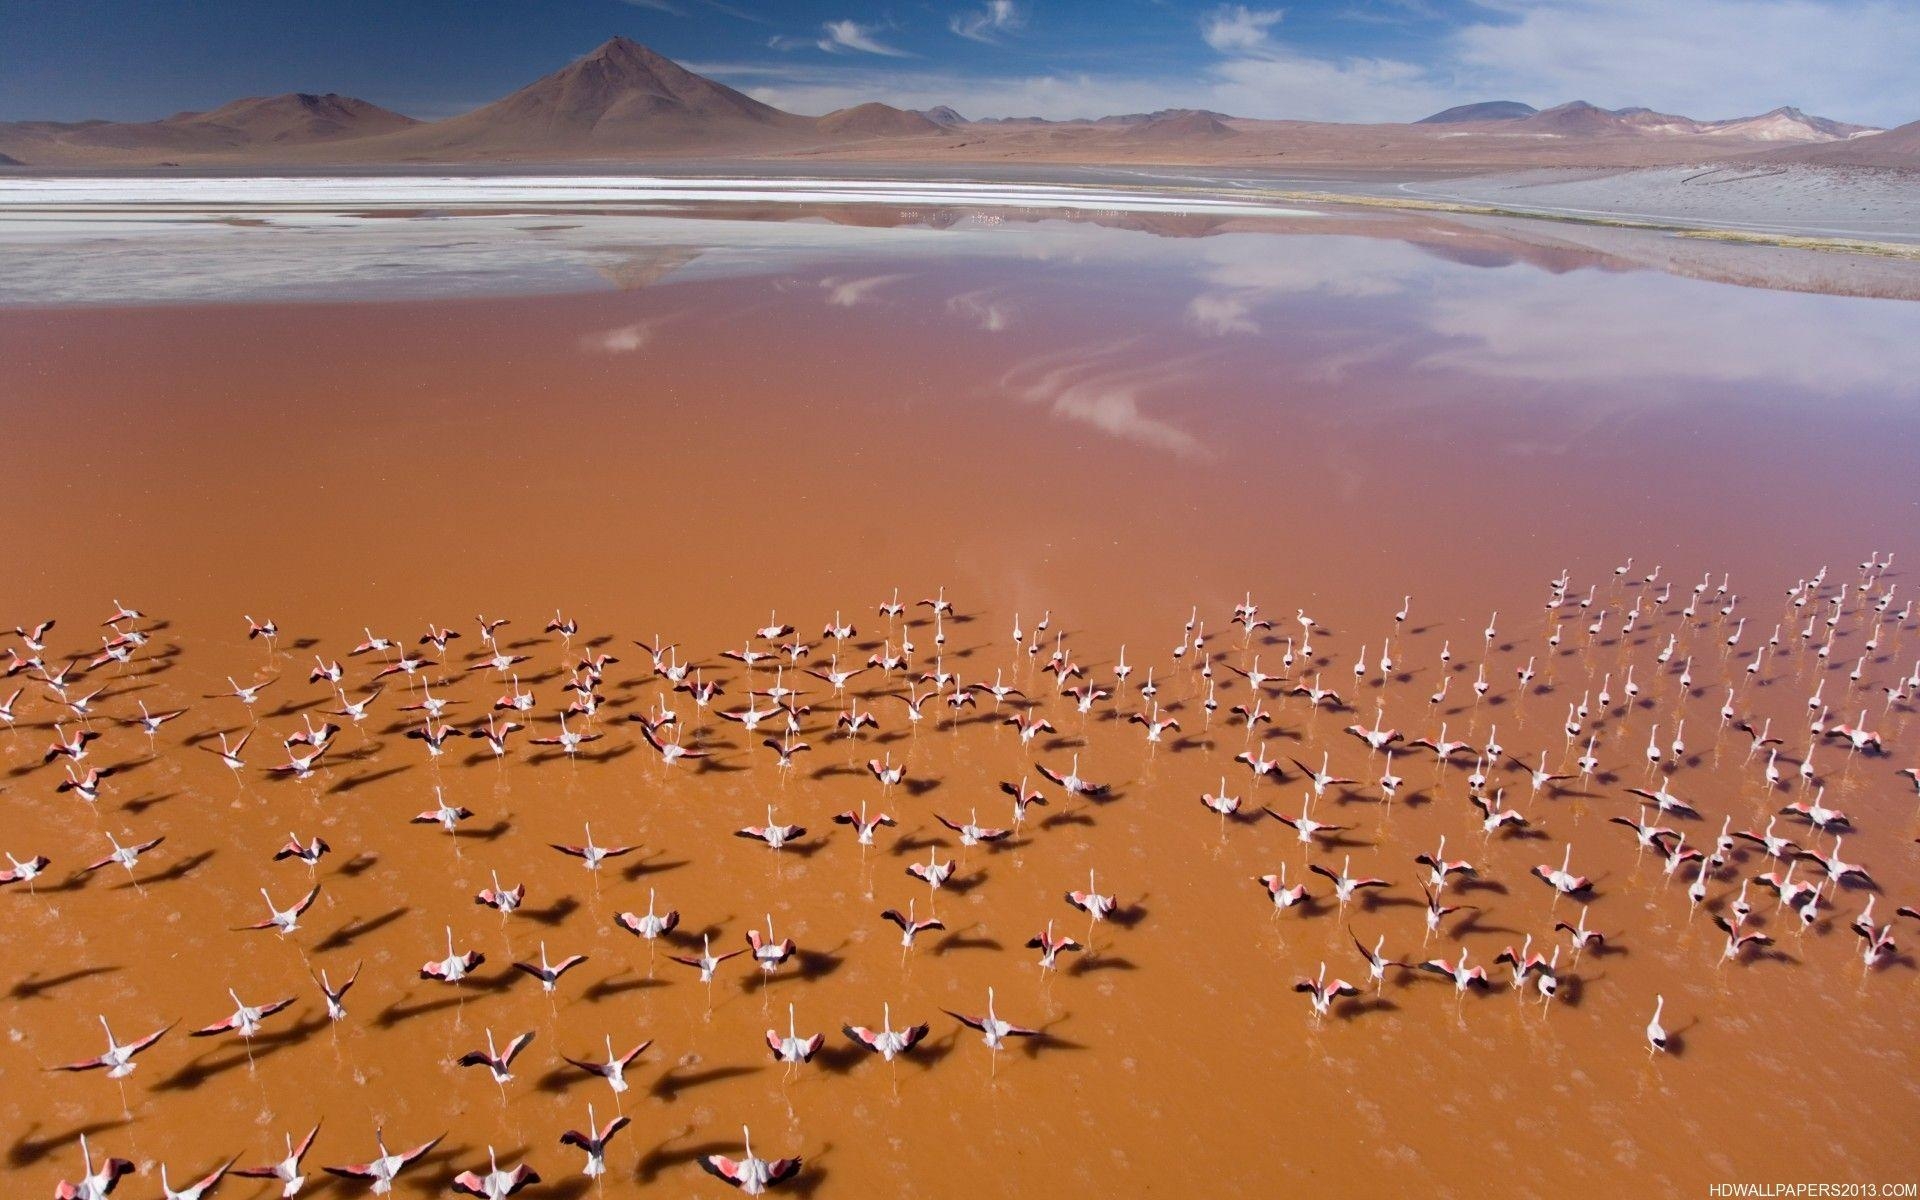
[1369, 422]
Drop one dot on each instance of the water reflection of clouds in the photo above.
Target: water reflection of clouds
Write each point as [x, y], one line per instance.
[846, 293]
[1339, 304]
[983, 308]
[1643, 327]
[1103, 386]
[624, 339]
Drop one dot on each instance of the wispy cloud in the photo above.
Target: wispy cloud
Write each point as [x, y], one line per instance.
[733, 11]
[1237, 27]
[989, 23]
[665, 6]
[842, 37]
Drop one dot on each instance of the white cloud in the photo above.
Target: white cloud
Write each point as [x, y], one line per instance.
[986, 24]
[1237, 27]
[1850, 59]
[1706, 58]
[665, 6]
[840, 37]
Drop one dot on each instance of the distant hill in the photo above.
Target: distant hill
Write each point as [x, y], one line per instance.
[293, 119]
[877, 120]
[1897, 147]
[1485, 110]
[1178, 125]
[1786, 124]
[298, 117]
[942, 115]
[1164, 116]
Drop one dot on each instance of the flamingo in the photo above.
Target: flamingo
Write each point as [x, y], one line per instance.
[1051, 947]
[993, 1030]
[594, 1142]
[1282, 895]
[794, 1049]
[246, 1019]
[708, 962]
[118, 1058]
[909, 927]
[888, 1042]
[863, 825]
[751, 1175]
[1304, 826]
[549, 973]
[499, 1063]
[650, 926]
[767, 952]
[1656, 1033]
[1344, 885]
[336, 996]
[495, 1184]
[285, 920]
[972, 833]
[1459, 972]
[455, 966]
[287, 1170]
[1324, 993]
[614, 1070]
[200, 1188]
[93, 1185]
[590, 855]
[384, 1168]
[772, 833]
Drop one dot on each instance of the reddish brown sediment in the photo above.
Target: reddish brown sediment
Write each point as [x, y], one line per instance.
[341, 465]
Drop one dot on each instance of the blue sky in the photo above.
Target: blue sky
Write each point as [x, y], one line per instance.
[1355, 60]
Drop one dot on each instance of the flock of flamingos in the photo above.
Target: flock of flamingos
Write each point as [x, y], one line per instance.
[1704, 651]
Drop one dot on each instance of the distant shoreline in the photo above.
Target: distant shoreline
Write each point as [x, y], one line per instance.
[1794, 207]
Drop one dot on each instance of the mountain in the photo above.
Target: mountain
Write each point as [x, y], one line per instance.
[1179, 125]
[294, 119]
[1786, 124]
[1485, 110]
[625, 103]
[1574, 117]
[1162, 116]
[877, 120]
[621, 97]
[298, 117]
[1898, 147]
